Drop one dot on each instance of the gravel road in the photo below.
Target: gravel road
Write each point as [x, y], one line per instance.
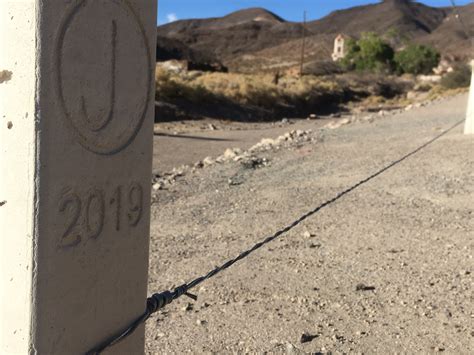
[386, 269]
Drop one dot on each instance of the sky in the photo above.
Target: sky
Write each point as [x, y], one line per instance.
[292, 10]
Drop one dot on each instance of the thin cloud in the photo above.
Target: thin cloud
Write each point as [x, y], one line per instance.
[172, 17]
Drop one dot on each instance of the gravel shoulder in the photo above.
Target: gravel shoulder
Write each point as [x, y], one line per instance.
[386, 269]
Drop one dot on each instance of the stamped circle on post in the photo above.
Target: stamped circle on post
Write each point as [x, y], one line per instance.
[103, 72]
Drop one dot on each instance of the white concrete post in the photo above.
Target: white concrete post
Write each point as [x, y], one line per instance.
[76, 127]
[469, 125]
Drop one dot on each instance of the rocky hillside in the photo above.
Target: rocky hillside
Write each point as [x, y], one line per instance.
[256, 39]
[171, 48]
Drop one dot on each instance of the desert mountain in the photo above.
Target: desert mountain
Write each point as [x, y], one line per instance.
[256, 39]
[239, 33]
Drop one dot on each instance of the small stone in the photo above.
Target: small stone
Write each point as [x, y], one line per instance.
[285, 120]
[157, 186]
[212, 127]
[306, 338]
[208, 161]
[199, 165]
[201, 322]
[290, 348]
[268, 142]
[188, 307]
[362, 287]
[313, 116]
[232, 153]
[307, 234]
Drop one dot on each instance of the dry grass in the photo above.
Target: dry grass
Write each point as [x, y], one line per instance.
[247, 89]
[439, 91]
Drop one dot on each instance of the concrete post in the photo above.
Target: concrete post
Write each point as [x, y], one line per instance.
[469, 125]
[76, 127]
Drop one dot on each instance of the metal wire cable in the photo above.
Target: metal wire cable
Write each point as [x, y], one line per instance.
[160, 300]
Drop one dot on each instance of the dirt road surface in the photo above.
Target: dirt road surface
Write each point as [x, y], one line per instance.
[187, 143]
[386, 269]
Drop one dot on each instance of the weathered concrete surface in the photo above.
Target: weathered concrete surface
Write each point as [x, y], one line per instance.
[17, 172]
[88, 173]
[469, 125]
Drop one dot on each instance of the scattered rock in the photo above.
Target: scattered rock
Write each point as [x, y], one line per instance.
[3, 203]
[285, 121]
[201, 322]
[338, 123]
[231, 153]
[362, 287]
[157, 186]
[198, 165]
[246, 158]
[254, 162]
[306, 338]
[212, 127]
[235, 181]
[188, 307]
[208, 161]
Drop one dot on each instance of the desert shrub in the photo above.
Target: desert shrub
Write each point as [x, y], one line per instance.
[172, 86]
[416, 59]
[460, 77]
[369, 53]
[261, 91]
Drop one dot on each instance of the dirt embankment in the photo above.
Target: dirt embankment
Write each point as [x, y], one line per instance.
[260, 98]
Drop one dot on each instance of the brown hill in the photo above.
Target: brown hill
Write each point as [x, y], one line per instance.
[410, 18]
[256, 39]
[451, 38]
[239, 33]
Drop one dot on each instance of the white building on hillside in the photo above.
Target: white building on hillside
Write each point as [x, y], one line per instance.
[339, 48]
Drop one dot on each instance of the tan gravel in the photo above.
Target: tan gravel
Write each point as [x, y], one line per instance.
[386, 269]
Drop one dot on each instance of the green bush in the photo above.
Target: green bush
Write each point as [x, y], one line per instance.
[417, 59]
[460, 77]
[370, 53]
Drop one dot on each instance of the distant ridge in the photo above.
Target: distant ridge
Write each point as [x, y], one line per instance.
[257, 39]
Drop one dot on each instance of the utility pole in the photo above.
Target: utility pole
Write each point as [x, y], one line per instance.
[303, 44]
